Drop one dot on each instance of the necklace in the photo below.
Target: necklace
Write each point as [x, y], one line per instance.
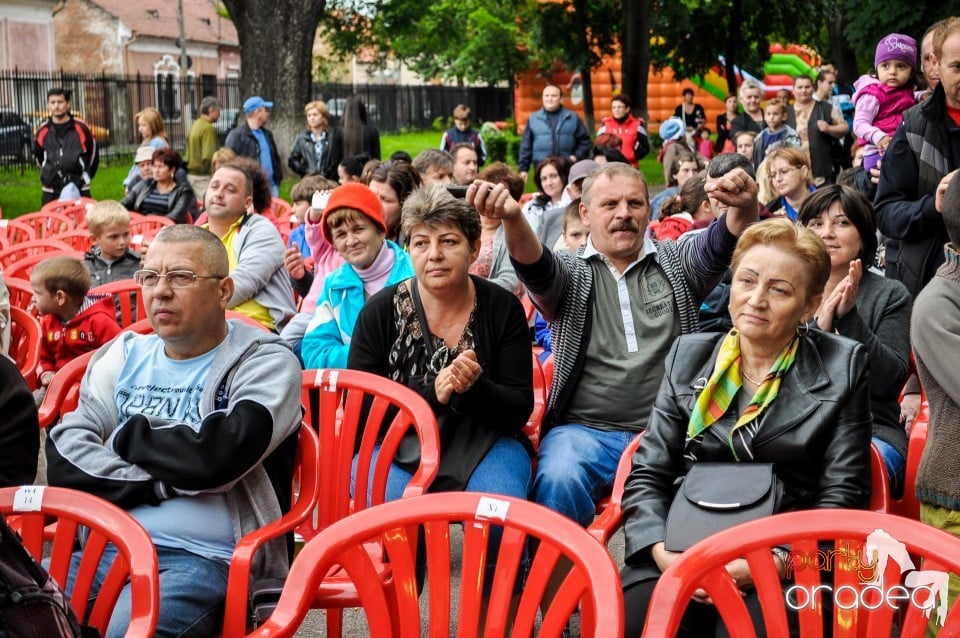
[746, 376]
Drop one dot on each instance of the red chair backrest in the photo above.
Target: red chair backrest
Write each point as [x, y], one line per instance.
[25, 335]
[63, 393]
[23, 267]
[880, 497]
[532, 428]
[16, 232]
[908, 505]
[48, 247]
[306, 491]
[345, 406]
[128, 296]
[609, 509]
[592, 581]
[857, 612]
[104, 523]
[21, 292]
[47, 224]
[547, 366]
[144, 229]
[78, 239]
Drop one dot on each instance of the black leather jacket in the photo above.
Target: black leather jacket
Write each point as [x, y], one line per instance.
[816, 433]
[303, 157]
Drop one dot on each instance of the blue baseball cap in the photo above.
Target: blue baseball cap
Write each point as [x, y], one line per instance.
[255, 102]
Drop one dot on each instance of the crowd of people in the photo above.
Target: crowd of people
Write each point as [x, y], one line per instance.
[756, 316]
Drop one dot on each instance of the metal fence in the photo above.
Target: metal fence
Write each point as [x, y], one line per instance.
[109, 104]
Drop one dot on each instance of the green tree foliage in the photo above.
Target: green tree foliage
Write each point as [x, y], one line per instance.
[689, 34]
[476, 41]
[864, 28]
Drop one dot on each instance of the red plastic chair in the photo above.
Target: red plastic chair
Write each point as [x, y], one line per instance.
[592, 581]
[344, 406]
[105, 523]
[16, 232]
[58, 206]
[25, 335]
[547, 366]
[532, 429]
[880, 496]
[21, 293]
[47, 247]
[528, 308]
[23, 267]
[147, 227]
[306, 490]
[47, 224]
[703, 566]
[63, 393]
[127, 295]
[908, 505]
[78, 239]
[609, 509]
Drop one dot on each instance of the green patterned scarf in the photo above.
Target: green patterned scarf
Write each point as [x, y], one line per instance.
[726, 381]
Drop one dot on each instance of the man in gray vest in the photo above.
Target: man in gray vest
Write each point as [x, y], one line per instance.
[552, 131]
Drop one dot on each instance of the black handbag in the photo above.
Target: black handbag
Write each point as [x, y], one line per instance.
[715, 496]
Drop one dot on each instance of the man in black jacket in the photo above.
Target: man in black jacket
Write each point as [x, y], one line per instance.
[252, 139]
[919, 164]
[64, 149]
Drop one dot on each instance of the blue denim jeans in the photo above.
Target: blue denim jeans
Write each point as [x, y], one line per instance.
[575, 468]
[192, 594]
[895, 464]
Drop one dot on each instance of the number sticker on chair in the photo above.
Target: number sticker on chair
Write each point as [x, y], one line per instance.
[28, 498]
[491, 508]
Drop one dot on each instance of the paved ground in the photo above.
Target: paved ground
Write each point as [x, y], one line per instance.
[354, 625]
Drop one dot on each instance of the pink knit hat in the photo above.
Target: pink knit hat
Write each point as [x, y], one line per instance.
[896, 46]
[353, 195]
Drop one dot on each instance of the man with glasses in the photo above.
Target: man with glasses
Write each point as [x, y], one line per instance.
[262, 288]
[192, 430]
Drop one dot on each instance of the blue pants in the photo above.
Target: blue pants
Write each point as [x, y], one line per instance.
[575, 468]
[192, 594]
[895, 465]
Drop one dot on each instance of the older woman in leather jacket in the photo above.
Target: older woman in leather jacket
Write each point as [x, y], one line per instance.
[162, 194]
[767, 392]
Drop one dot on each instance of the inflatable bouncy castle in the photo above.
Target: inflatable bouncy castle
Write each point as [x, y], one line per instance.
[664, 91]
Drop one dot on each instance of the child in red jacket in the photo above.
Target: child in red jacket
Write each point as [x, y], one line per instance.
[72, 321]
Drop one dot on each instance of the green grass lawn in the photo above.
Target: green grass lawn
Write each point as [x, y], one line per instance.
[20, 193]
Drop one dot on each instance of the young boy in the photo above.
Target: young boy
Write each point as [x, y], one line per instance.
[110, 258]
[72, 321]
[777, 131]
[574, 236]
[461, 133]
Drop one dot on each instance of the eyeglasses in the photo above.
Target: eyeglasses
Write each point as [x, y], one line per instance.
[783, 172]
[175, 278]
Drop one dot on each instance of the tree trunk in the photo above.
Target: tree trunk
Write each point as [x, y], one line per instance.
[276, 53]
[635, 67]
[586, 82]
[841, 54]
[730, 46]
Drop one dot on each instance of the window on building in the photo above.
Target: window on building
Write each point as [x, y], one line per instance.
[166, 72]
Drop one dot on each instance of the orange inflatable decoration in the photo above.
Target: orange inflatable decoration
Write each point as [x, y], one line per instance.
[664, 91]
